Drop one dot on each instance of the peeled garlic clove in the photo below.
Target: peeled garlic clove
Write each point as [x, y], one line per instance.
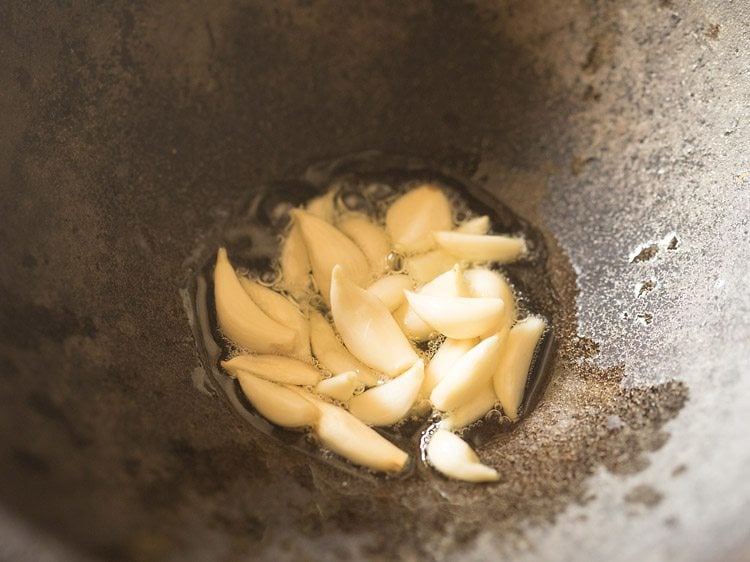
[452, 456]
[390, 402]
[340, 387]
[515, 361]
[276, 368]
[471, 411]
[323, 206]
[448, 284]
[344, 434]
[241, 320]
[412, 324]
[371, 239]
[445, 357]
[367, 328]
[457, 317]
[425, 267]
[282, 310]
[485, 283]
[390, 290]
[277, 403]
[295, 264]
[478, 225]
[327, 246]
[479, 247]
[414, 215]
[332, 354]
[468, 375]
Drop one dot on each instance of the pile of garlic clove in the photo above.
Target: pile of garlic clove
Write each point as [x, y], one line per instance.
[336, 345]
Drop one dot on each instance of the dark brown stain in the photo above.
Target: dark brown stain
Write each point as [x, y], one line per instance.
[645, 495]
[712, 31]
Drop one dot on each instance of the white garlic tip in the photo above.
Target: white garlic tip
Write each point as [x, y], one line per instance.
[413, 216]
[448, 284]
[468, 375]
[515, 361]
[367, 328]
[243, 321]
[439, 366]
[390, 290]
[481, 247]
[332, 354]
[344, 434]
[485, 283]
[425, 267]
[452, 456]
[340, 387]
[327, 246]
[478, 225]
[295, 264]
[276, 368]
[476, 408]
[457, 317]
[390, 402]
[277, 403]
[370, 238]
[284, 311]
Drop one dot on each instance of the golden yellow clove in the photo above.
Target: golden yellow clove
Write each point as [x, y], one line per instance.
[452, 456]
[390, 402]
[481, 247]
[367, 328]
[277, 403]
[241, 320]
[276, 368]
[413, 216]
[514, 363]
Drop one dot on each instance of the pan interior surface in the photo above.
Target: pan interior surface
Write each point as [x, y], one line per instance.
[132, 130]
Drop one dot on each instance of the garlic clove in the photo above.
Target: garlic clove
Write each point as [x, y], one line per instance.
[476, 408]
[425, 267]
[469, 374]
[485, 283]
[413, 216]
[323, 206]
[347, 436]
[457, 317]
[514, 363]
[371, 239]
[331, 353]
[478, 225]
[367, 328]
[445, 357]
[412, 324]
[241, 320]
[277, 403]
[295, 264]
[452, 456]
[276, 368]
[390, 290]
[390, 402]
[327, 246]
[341, 387]
[284, 311]
[481, 247]
[449, 284]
